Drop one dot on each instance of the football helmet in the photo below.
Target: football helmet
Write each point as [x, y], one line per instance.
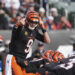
[53, 56]
[32, 19]
[48, 55]
[57, 56]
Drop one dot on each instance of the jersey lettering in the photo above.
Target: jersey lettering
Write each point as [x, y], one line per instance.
[68, 65]
[30, 42]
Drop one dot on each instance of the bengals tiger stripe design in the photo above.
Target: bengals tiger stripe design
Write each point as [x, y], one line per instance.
[53, 56]
[57, 56]
[32, 16]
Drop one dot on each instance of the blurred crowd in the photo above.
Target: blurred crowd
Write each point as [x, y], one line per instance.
[11, 9]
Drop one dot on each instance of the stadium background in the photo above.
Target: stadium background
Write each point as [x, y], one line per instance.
[61, 37]
[58, 37]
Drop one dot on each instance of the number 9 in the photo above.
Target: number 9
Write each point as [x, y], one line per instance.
[30, 42]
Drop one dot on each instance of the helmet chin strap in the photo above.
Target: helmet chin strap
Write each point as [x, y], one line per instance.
[31, 27]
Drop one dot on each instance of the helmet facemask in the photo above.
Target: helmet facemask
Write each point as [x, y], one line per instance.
[33, 24]
[32, 19]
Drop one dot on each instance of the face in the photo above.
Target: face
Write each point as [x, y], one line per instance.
[32, 26]
[50, 21]
[32, 20]
[41, 47]
[53, 13]
[26, 1]
[2, 5]
[42, 14]
[31, 8]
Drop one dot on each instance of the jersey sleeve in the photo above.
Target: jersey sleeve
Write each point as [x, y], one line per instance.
[39, 36]
[66, 67]
[16, 31]
[51, 67]
[34, 65]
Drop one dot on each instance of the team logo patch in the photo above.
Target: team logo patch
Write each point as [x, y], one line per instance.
[26, 33]
[38, 54]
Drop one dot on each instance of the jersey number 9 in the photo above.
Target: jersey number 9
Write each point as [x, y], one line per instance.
[30, 42]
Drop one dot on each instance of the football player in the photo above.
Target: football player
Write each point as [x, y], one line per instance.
[24, 32]
[48, 56]
[53, 56]
[65, 67]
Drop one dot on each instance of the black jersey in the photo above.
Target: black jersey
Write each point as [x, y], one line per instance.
[65, 67]
[22, 39]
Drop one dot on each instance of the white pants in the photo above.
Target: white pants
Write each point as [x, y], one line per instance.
[8, 69]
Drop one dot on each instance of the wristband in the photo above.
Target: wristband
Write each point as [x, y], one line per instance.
[43, 30]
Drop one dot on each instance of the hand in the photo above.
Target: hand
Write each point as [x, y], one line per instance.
[41, 65]
[20, 21]
[63, 19]
[41, 23]
[26, 63]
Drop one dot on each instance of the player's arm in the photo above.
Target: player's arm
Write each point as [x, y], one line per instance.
[43, 37]
[51, 67]
[46, 37]
[35, 65]
[18, 27]
[45, 34]
[38, 62]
